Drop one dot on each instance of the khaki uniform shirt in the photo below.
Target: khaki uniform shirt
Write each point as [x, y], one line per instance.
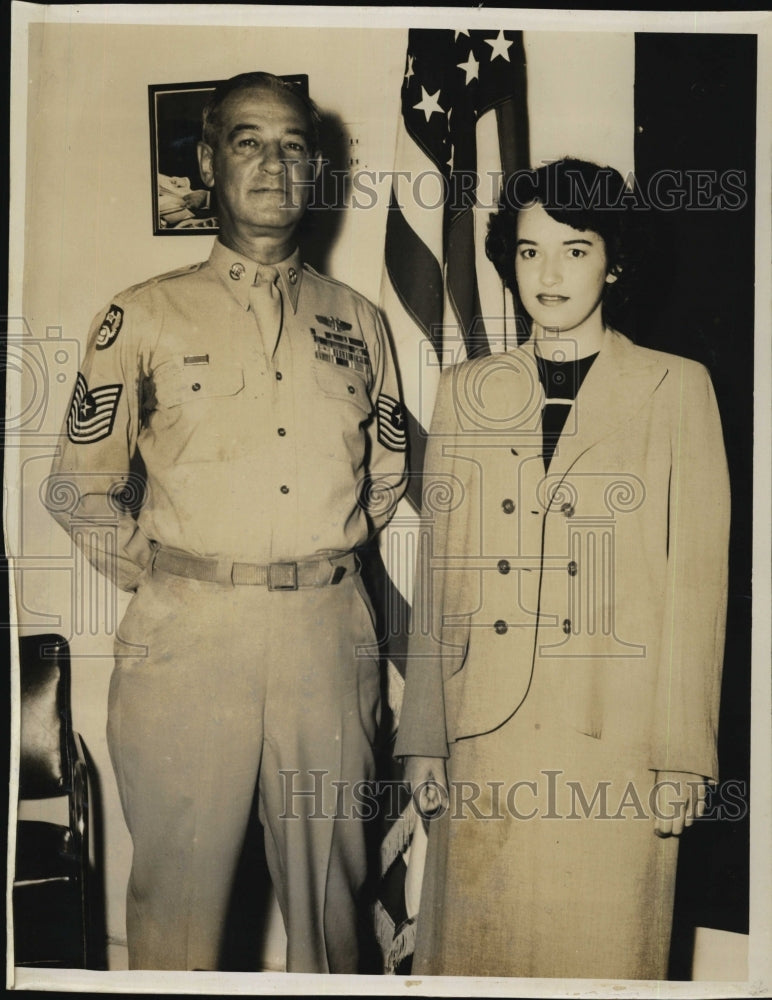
[255, 453]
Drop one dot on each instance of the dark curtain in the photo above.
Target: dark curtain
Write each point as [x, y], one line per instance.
[695, 114]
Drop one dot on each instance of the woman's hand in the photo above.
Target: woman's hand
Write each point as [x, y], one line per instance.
[427, 778]
[680, 799]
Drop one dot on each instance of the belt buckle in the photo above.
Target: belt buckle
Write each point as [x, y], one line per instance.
[283, 576]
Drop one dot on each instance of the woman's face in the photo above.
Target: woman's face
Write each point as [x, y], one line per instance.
[560, 271]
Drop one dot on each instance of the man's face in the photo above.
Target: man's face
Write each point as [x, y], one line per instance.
[262, 166]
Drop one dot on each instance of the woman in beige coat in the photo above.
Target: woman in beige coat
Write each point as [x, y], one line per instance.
[564, 675]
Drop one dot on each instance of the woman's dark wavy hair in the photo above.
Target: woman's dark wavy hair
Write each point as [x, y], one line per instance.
[584, 196]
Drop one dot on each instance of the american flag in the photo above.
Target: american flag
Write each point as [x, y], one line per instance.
[463, 126]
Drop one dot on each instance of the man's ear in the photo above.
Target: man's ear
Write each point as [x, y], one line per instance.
[206, 163]
[317, 163]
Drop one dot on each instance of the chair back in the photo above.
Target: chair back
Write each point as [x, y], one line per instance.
[45, 765]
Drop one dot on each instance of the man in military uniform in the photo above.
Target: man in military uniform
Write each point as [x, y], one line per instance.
[264, 402]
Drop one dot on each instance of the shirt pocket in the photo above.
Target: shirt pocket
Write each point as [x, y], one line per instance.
[197, 411]
[343, 385]
[181, 384]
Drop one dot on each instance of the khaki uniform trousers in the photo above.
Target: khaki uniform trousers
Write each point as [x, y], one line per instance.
[216, 691]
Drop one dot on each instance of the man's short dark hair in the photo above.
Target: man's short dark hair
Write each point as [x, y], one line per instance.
[253, 81]
[582, 195]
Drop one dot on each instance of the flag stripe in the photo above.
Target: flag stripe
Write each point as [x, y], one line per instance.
[416, 437]
[415, 190]
[419, 367]
[512, 129]
[463, 114]
[414, 273]
[462, 285]
[495, 300]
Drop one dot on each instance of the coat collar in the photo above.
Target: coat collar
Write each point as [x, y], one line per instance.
[621, 379]
[238, 272]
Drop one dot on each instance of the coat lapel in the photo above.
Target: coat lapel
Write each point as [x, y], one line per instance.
[620, 381]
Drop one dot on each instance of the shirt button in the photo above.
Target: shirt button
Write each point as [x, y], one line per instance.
[281, 432]
[503, 566]
[572, 568]
[278, 376]
[508, 506]
[567, 625]
[285, 489]
[500, 626]
[568, 509]
[196, 386]
[351, 389]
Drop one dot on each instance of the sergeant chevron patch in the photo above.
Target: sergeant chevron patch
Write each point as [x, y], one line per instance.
[92, 412]
[391, 423]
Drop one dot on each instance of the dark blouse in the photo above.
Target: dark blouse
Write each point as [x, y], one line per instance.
[561, 381]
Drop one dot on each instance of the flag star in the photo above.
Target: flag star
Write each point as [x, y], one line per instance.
[410, 72]
[457, 33]
[471, 67]
[499, 46]
[429, 103]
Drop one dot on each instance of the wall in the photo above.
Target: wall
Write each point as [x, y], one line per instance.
[87, 234]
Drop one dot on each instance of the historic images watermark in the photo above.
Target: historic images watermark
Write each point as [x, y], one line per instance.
[552, 795]
[183, 207]
[666, 190]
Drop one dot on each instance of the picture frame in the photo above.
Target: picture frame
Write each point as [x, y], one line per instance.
[79, 172]
[181, 205]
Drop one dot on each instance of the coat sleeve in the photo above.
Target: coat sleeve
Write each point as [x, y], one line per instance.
[422, 727]
[386, 478]
[692, 641]
[91, 486]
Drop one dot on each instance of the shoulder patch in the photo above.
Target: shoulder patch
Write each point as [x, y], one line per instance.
[110, 327]
[392, 431]
[92, 412]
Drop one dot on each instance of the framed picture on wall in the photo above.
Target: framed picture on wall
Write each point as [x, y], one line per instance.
[182, 206]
